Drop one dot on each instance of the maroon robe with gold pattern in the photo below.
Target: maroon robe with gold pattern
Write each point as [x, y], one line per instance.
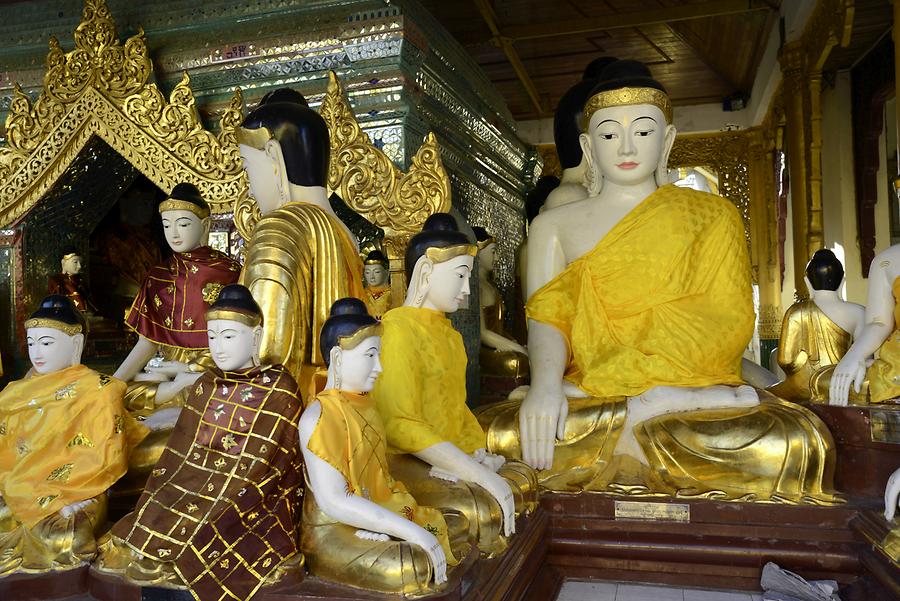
[223, 503]
[170, 307]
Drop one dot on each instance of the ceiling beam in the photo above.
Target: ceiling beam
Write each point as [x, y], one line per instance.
[506, 44]
[684, 12]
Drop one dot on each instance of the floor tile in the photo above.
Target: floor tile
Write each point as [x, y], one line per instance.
[701, 595]
[637, 592]
[581, 590]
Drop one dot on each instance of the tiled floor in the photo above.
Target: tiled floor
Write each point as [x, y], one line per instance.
[578, 590]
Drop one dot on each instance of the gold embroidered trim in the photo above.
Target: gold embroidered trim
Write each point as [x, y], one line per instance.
[627, 97]
[62, 473]
[45, 322]
[440, 255]
[233, 315]
[354, 340]
[174, 204]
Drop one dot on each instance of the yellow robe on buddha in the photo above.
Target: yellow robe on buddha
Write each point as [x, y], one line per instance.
[64, 438]
[298, 262]
[421, 396]
[884, 374]
[349, 436]
[664, 299]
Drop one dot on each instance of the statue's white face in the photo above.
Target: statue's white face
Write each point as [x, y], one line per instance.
[184, 230]
[448, 284]
[358, 368]
[627, 142]
[71, 265]
[265, 170]
[232, 344]
[486, 257]
[375, 275]
[51, 350]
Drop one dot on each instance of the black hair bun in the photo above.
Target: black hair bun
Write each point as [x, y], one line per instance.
[284, 95]
[348, 306]
[440, 222]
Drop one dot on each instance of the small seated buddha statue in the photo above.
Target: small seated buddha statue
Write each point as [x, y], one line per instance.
[875, 352]
[500, 355]
[68, 282]
[640, 308]
[220, 511]
[378, 283]
[65, 438]
[437, 444]
[817, 332]
[301, 257]
[355, 513]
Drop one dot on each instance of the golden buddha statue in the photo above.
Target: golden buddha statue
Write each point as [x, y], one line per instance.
[220, 512]
[875, 352]
[68, 282]
[437, 444]
[817, 332]
[348, 537]
[378, 284]
[65, 438]
[301, 257]
[500, 354]
[640, 308]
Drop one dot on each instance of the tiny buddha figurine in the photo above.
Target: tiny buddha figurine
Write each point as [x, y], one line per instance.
[301, 257]
[220, 511]
[378, 283]
[68, 282]
[816, 333]
[65, 438]
[879, 336]
[421, 395]
[640, 307]
[353, 506]
[500, 354]
[168, 314]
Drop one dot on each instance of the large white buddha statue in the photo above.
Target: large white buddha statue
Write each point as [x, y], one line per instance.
[639, 310]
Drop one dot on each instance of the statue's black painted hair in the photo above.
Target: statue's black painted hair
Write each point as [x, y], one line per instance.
[439, 231]
[824, 270]
[348, 315]
[567, 118]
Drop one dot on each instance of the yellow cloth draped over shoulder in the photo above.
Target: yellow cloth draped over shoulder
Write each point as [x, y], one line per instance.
[299, 261]
[421, 392]
[378, 300]
[349, 436]
[664, 299]
[884, 374]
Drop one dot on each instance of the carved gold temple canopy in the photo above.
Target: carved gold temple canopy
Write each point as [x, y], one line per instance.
[101, 89]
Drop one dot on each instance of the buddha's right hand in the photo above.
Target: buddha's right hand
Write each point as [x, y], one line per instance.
[542, 418]
[429, 543]
[850, 371]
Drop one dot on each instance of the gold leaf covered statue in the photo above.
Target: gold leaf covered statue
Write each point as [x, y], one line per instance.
[639, 310]
[65, 438]
[816, 333]
[354, 509]
[300, 257]
[68, 282]
[437, 444]
[220, 511]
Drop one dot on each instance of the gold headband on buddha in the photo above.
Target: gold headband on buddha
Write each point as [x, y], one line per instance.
[251, 320]
[175, 204]
[352, 341]
[254, 138]
[440, 255]
[482, 244]
[627, 97]
[374, 262]
[45, 322]
[69, 256]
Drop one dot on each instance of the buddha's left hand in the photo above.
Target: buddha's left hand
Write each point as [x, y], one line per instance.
[70, 510]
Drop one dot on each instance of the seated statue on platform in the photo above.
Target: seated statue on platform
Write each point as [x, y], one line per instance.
[353, 506]
[378, 284]
[421, 395]
[220, 512]
[816, 333]
[301, 257]
[640, 310]
[879, 338]
[64, 440]
[68, 282]
[500, 355]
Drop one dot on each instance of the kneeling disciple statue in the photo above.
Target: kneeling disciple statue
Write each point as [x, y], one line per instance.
[353, 505]
[220, 511]
[421, 395]
[64, 440]
[639, 310]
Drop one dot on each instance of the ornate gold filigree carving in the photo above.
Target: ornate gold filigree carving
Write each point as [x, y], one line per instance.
[101, 89]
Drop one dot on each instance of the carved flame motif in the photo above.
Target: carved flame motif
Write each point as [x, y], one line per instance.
[101, 89]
